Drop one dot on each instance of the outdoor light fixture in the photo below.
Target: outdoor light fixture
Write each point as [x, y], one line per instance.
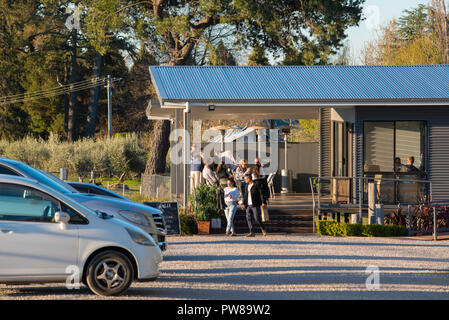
[284, 172]
[222, 130]
[211, 107]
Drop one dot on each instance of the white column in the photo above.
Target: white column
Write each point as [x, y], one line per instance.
[186, 153]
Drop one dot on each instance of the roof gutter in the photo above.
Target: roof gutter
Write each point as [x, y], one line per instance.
[330, 104]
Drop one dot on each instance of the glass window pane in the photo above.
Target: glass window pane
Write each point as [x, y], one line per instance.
[379, 146]
[410, 141]
[7, 171]
[24, 204]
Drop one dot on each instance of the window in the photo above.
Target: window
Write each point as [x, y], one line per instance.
[395, 147]
[4, 170]
[75, 218]
[395, 156]
[21, 203]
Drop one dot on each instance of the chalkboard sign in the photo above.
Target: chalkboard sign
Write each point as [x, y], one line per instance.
[171, 215]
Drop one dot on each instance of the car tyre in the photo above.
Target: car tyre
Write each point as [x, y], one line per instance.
[109, 273]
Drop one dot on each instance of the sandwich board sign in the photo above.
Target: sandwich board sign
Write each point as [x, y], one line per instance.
[170, 212]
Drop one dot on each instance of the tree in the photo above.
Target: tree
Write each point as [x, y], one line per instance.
[308, 132]
[220, 56]
[417, 37]
[439, 20]
[172, 29]
[257, 57]
[414, 23]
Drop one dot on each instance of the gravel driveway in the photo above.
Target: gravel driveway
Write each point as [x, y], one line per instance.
[282, 267]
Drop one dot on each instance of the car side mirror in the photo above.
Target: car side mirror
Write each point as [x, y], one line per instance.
[62, 218]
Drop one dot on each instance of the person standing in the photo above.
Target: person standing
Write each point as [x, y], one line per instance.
[398, 166]
[411, 164]
[231, 194]
[196, 167]
[252, 201]
[222, 174]
[239, 175]
[208, 174]
[261, 182]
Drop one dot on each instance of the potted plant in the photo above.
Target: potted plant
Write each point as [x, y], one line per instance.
[203, 202]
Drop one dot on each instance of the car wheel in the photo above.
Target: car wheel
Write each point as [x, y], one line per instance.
[109, 273]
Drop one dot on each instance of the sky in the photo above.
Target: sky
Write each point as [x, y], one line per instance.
[377, 13]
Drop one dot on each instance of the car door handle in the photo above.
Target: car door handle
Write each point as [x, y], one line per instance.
[8, 231]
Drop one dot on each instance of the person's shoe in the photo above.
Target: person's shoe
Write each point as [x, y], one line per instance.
[227, 234]
[232, 234]
[251, 234]
[264, 233]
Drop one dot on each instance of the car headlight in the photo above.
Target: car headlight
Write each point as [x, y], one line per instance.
[135, 217]
[140, 238]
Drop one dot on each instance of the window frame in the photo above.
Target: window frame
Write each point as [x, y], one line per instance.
[426, 158]
[84, 220]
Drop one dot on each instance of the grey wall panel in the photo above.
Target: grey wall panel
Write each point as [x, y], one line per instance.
[325, 143]
[302, 162]
[439, 159]
[325, 149]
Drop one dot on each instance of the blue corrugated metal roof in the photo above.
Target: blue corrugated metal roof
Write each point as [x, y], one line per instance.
[301, 83]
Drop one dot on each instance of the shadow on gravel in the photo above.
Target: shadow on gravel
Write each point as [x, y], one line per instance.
[209, 294]
[266, 241]
[46, 292]
[293, 257]
[329, 280]
[337, 269]
[235, 287]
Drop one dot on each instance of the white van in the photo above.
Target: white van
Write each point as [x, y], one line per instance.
[46, 236]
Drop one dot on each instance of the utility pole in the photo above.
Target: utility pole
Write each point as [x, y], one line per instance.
[109, 86]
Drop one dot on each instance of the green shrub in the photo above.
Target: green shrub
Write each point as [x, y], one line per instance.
[120, 157]
[332, 228]
[206, 203]
[188, 225]
[375, 230]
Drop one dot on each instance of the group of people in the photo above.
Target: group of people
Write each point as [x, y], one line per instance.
[409, 167]
[239, 185]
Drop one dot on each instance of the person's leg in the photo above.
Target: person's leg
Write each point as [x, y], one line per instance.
[248, 218]
[233, 209]
[228, 219]
[258, 218]
[197, 177]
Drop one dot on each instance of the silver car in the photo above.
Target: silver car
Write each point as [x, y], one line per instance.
[136, 213]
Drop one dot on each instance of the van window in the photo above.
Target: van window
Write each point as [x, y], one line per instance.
[4, 170]
[21, 203]
[75, 218]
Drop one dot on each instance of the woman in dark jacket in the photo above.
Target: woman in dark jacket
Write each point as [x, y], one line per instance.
[261, 182]
[222, 174]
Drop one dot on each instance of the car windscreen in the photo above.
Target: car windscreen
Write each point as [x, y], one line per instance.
[45, 178]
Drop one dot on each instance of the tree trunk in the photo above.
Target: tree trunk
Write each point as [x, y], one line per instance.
[71, 128]
[156, 163]
[93, 107]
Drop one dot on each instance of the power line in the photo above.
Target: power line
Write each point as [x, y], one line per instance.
[64, 89]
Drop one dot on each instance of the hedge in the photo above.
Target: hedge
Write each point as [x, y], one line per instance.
[332, 228]
[188, 224]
